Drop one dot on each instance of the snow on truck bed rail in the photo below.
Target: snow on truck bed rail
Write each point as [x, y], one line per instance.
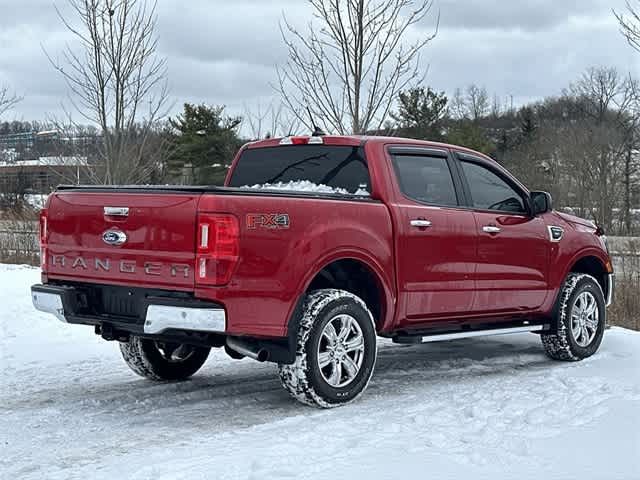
[493, 408]
[306, 186]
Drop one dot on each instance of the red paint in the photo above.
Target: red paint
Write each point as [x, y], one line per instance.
[263, 261]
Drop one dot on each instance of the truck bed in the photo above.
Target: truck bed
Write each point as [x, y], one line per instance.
[275, 262]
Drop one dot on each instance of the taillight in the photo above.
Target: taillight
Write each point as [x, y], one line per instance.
[44, 235]
[217, 249]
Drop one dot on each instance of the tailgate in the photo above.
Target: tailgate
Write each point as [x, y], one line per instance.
[141, 239]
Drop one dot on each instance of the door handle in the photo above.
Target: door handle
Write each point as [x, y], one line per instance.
[116, 211]
[491, 229]
[420, 223]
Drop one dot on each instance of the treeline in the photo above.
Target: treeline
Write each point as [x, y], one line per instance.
[581, 145]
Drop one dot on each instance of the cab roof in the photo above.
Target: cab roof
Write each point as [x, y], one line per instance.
[356, 140]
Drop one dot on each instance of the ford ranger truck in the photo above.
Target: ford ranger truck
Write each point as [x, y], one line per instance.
[315, 247]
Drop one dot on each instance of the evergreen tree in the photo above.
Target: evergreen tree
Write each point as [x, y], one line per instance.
[421, 112]
[468, 134]
[528, 126]
[205, 141]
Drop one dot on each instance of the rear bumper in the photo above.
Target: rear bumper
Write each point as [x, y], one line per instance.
[161, 318]
[160, 314]
[48, 302]
[119, 312]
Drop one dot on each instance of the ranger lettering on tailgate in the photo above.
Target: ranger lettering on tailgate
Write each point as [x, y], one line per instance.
[122, 266]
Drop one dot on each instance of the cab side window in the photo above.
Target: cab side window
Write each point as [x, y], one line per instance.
[489, 191]
[426, 179]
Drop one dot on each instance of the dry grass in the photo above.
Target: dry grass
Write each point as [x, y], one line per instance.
[625, 311]
[19, 242]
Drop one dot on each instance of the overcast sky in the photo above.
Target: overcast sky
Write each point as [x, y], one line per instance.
[225, 52]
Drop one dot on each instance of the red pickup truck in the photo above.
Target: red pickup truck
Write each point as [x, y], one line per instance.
[316, 246]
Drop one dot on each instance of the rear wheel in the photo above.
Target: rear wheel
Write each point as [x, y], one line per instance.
[580, 321]
[336, 350]
[162, 360]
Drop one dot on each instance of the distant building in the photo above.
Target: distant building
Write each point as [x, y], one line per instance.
[42, 175]
[26, 140]
[36, 162]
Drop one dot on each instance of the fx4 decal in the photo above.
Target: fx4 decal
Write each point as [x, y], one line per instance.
[268, 220]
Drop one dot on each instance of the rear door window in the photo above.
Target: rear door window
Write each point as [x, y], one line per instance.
[313, 168]
[426, 179]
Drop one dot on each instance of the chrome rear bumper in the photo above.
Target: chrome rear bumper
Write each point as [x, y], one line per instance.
[161, 318]
[48, 303]
[160, 314]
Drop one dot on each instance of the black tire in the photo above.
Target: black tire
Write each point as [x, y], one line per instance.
[561, 342]
[148, 359]
[305, 379]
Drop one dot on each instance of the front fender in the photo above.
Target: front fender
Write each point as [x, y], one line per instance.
[597, 253]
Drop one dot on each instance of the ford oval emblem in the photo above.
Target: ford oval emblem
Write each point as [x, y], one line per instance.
[114, 237]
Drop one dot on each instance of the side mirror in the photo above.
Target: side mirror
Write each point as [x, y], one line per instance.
[541, 202]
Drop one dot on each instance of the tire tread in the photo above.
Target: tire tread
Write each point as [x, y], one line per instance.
[556, 344]
[137, 359]
[294, 377]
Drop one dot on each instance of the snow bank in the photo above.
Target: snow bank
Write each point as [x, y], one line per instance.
[37, 201]
[473, 409]
[305, 186]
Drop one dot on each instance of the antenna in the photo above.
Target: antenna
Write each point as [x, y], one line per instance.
[317, 131]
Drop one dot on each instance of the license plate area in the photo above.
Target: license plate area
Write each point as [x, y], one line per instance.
[116, 303]
[122, 302]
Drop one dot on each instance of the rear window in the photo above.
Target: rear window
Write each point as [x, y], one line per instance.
[306, 168]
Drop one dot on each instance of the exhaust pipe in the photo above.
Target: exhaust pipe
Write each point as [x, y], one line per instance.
[248, 349]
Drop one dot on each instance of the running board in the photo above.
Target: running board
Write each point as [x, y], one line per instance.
[443, 337]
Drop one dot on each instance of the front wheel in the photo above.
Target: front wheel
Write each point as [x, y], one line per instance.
[162, 360]
[580, 320]
[336, 350]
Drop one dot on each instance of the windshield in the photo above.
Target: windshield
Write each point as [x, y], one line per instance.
[312, 168]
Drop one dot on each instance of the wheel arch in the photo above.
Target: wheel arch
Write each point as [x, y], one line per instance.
[590, 264]
[356, 273]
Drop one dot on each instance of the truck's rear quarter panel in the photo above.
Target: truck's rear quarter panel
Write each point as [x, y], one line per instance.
[277, 264]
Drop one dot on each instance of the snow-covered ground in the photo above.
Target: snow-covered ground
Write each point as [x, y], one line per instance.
[483, 408]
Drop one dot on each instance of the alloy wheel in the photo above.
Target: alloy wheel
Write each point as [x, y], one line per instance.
[341, 351]
[585, 319]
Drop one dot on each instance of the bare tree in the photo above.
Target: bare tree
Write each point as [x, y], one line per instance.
[458, 104]
[478, 102]
[472, 104]
[274, 120]
[346, 73]
[7, 100]
[607, 105]
[10, 194]
[116, 81]
[582, 147]
[630, 28]
[630, 23]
